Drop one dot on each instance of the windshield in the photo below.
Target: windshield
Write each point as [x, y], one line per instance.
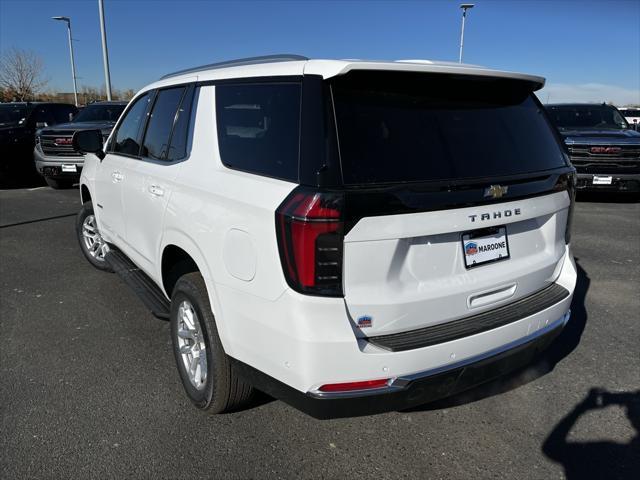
[598, 117]
[100, 113]
[407, 127]
[12, 114]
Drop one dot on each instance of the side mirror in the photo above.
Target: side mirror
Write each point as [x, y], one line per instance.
[89, 141]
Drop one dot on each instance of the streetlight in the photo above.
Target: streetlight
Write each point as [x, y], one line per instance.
[464, 7]
[105, 53]
[73, 65]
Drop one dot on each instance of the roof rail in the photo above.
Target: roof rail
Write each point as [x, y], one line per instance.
[285, 57]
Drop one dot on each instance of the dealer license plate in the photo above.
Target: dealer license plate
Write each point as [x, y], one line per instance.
[69, 168]
[485, 246]
[602, 180]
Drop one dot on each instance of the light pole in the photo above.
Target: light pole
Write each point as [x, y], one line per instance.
[105, 53]
[464, 7]
[73, 65]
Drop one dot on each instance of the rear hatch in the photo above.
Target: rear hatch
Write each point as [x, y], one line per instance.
[457, 198]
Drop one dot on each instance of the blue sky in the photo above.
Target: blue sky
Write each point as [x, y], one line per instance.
[587, 50]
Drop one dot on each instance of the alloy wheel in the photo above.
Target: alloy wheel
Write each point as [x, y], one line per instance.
[192, 346]
[93, 241]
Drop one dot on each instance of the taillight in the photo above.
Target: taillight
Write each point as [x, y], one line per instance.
[309, 226]
[567, 183]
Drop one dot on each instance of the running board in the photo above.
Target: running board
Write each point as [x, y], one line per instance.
[142, 285]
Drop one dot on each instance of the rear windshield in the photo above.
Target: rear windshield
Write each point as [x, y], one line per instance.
[408, 127]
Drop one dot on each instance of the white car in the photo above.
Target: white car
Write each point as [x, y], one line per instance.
[348, 236]
[631, 115]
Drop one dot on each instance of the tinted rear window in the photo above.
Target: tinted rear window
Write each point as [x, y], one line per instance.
[407, 127]
[161, 120]
[180, 134]
[259, 128]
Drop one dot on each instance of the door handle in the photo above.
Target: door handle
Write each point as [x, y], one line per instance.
[156, 190]
[117, 176]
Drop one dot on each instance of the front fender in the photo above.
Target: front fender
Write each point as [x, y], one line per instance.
[88, 175]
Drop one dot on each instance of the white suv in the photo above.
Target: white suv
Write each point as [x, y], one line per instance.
[348, 236]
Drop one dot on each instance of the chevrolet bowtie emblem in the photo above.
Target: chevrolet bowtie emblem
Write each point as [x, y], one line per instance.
[495, 191]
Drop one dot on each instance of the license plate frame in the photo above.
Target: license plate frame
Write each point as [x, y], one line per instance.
[602, 180]
[69, 168]
[484, 237]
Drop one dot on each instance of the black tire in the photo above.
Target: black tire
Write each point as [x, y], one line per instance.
[85, 212]
[222, 391]
[58, 184]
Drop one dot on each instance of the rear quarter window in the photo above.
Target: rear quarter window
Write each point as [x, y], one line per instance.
[258, 128]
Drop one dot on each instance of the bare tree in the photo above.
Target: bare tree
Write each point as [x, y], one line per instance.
[127, 94]
[89, 94]
[21, 73]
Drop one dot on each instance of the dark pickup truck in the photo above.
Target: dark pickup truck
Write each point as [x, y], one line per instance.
[18, 124]
[603, 148]
[54, 156]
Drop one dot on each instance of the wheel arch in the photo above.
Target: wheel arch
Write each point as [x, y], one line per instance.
[174, 263]
[85, 194]
[177, 243]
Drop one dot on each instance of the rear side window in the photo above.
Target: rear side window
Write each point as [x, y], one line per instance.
[259, 128]
[161, 121]
[405, 127]
[127, 139]
[180, 135]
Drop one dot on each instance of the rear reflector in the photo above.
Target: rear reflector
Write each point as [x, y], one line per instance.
[352, 386]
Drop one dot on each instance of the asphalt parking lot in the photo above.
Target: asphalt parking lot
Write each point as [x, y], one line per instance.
[88, 386]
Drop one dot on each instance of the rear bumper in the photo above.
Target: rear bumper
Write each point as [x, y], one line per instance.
[299, 343]
[619, 182]
[416, 389]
